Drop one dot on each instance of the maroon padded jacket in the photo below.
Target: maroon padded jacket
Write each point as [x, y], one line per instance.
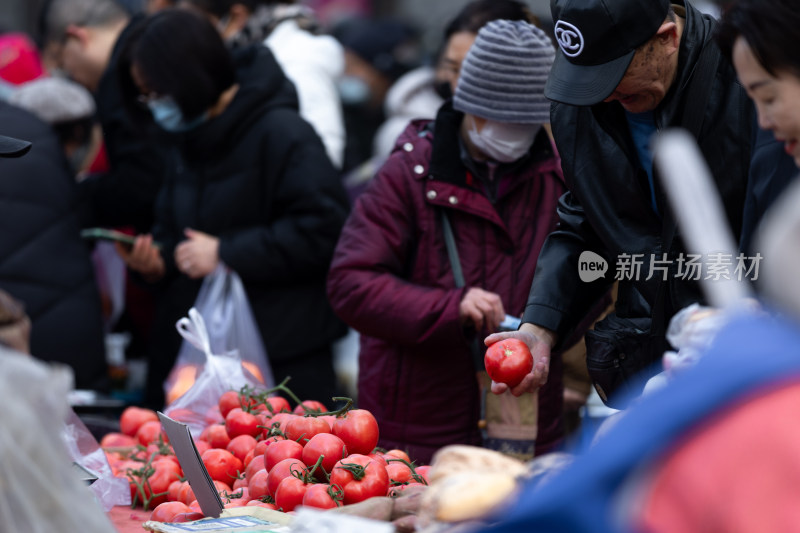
[391, 280]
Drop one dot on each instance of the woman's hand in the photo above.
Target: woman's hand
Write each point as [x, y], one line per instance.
[480, 309]
[198, 255]
[143, 257]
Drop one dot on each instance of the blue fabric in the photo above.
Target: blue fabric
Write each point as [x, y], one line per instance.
[749, 356]
[643, 127]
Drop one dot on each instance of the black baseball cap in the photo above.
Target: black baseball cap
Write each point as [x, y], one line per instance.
[11, 147]
[597, 40]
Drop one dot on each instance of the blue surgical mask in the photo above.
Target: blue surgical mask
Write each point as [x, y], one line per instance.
[169, 116]
[353, 90]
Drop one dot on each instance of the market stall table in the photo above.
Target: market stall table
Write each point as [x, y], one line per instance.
[127, 520]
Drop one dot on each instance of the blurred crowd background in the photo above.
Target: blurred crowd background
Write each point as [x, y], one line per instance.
[429, 17]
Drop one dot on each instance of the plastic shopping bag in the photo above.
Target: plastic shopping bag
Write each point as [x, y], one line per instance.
[231, 330]
[40, 490]
[197, 407]
[85, 451]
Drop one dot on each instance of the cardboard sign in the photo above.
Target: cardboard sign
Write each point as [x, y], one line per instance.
[193, 468]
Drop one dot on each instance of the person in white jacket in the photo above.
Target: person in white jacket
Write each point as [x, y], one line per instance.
[313, 62]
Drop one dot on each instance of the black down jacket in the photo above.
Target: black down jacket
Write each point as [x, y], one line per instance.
[43, 260]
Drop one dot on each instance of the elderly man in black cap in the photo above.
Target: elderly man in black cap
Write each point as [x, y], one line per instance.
[625, 70]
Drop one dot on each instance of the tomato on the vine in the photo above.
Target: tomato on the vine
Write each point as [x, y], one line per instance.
[222, 465]
[278, 451]
[508, 361]
[241, 445]
[277, 404]
[132, 419]
[360, 477]
[166, 512]
[302, 428]
[255, 465]
[289, 493]
[359, 431]
[217, 436]
[257, 484]
[310, 406]
[240, 422]
[281, 471]
[327, 445]
[149, 432]
[323, 496]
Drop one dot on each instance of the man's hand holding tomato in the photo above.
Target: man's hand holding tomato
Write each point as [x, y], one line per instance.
[539, 340]
[198, 255]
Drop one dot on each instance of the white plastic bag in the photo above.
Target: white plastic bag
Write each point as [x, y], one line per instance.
[84, 450]
[40, 490]
[230, 329]
[218, 373]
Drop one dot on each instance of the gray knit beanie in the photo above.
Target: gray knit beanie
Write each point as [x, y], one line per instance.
[503, 76]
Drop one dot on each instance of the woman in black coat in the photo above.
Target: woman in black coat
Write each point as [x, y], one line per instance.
[249, 185]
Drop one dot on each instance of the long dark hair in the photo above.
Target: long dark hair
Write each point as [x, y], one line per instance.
[770, 28]
[180, 54]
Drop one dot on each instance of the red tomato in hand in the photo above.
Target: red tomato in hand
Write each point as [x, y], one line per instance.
[359, 431]
[360, 477]
[508, 361]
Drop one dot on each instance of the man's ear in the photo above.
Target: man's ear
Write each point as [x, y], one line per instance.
[668, 34]
[77, 32]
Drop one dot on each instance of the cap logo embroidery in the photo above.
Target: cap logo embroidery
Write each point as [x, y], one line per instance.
[570, 38]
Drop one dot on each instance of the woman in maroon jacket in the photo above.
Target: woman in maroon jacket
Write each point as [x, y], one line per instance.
[487, 163]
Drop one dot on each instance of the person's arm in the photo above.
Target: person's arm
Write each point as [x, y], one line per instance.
[558, 298]
[367, 284]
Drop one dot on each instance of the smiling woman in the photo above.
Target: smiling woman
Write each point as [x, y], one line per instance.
[761, 37]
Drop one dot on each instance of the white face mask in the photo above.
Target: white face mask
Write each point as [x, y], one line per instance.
[501, 141]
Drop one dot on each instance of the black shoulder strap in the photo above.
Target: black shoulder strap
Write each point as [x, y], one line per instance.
[452, 251]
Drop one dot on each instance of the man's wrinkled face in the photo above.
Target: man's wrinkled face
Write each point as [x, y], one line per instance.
[650, 74]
